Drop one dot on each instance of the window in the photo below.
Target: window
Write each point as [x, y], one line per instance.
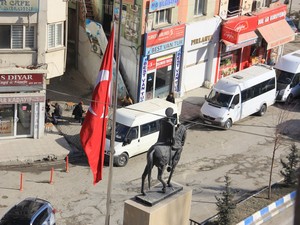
[149, 128]
[17, 37]
[55, 35]
[40, 219]
[199, 7]
[162, 17]
[258, 89]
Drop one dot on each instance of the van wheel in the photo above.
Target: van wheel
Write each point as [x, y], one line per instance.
[228, 124]
[262, 110]
[122, 160]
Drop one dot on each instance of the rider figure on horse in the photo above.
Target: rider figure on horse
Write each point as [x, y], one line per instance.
[167, 135]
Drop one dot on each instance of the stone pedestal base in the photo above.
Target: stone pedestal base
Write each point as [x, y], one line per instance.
[174, 210]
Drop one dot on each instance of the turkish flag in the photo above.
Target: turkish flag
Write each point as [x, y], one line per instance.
[93, 130]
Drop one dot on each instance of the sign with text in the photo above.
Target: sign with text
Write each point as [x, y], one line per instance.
[162, 4]
[161, 40]
[21, 79]
[21, 99]
[271, 15]
[19, 6]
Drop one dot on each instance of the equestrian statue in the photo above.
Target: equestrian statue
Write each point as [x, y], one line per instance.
[166, 152]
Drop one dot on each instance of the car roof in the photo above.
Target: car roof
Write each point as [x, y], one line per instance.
[23, 212]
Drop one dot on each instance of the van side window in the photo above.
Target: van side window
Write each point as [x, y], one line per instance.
[236, 99]
[133, 133]
[258, 89]
[149, 128]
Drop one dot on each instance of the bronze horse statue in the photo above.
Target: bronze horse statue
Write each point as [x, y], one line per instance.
[161, 155]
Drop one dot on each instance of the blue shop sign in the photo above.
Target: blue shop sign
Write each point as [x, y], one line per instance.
[162, 4]
[165, 46]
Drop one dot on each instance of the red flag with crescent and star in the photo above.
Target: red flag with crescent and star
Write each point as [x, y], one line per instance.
[93, 130]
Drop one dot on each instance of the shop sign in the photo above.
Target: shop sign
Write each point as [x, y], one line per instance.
[177, 71]
[162, 4]
[164, 62]
[232, 28]
[19, 6]
[268, 16]
[21, 79]
[21, 99]
[164, 47]
[143, 79]
[151, 65]
[155, 38]
[202, 40]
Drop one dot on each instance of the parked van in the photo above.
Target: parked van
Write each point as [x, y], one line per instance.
[288, 77]
[239, 95]
[137, 128]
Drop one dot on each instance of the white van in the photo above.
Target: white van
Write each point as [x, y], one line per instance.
[137, 128]
[288, 77]
[239, 95]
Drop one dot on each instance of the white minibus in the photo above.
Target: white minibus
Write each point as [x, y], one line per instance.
[288, 77]
[239, 95]
[137, 128]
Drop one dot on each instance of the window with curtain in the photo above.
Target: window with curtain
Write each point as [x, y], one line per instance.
[55, 35]
[17, 37]
[199, 7]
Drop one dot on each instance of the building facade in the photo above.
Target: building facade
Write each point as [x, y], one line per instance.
[252, 32]
[32, 51]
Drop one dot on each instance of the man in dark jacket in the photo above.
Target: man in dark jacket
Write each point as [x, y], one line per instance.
[78, 112]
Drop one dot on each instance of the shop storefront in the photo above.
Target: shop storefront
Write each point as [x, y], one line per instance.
[238, 42]
[22, 103]
[274, 32]
[258, 38]
[161, 63]
[200, 53]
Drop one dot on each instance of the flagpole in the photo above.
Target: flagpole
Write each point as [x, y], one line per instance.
[113, 130]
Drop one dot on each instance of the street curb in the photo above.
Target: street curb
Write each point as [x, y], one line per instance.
[272, 209]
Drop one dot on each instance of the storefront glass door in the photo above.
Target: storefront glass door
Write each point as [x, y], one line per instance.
[24, 119]
[163, 81]
[15, 120]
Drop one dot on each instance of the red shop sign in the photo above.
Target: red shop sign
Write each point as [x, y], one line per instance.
[271, 15]
[165, 35]
[21, 79]
[164, 62]
[234, 27]
[151, 64]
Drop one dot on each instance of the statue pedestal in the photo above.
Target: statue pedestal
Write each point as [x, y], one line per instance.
[174, 210]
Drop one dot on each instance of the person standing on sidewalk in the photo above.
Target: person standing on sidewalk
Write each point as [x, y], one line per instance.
[57, 114]
[78, 112]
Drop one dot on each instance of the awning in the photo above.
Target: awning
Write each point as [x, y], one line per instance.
[277, 33]
[245, 39]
